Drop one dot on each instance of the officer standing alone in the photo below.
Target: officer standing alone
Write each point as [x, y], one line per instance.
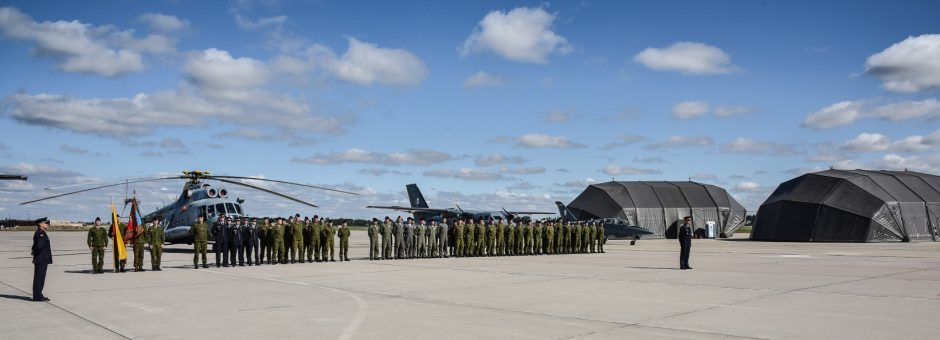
[685, 243]
[42, 258]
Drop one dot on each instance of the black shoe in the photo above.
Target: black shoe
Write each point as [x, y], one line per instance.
[195, 266]
[688, 267]
[42, 299]
[347, 259]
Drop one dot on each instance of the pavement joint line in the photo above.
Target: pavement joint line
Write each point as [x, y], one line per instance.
[361, 306]
[73, 313]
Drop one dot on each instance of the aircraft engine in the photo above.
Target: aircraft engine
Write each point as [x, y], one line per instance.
[223, 193]
[211, 192]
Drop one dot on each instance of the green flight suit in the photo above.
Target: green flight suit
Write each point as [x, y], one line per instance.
[343, 233]
[421, 246]
[386, 241]
[601, 238]
[97, 242]
[155, 239]
[327, 236]
[432, 240]
[537, 239]
[200, 232]
[297, 242]
[374, 233]
[510, 237]
[469, 238]
[479, 232]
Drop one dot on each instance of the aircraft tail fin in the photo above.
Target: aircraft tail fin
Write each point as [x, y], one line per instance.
[564, 212]
[415, 196]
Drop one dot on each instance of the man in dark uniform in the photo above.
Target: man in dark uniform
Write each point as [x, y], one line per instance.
[236, 247]
[251, 239]
[685, 243]
[220, 247]
[42, 258]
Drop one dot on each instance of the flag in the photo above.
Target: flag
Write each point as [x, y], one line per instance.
[118, 239]
[133, 222]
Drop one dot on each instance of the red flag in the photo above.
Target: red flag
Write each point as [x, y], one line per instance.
[134, 228]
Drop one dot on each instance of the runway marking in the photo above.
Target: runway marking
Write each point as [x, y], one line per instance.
[143, 307]
[361, 307]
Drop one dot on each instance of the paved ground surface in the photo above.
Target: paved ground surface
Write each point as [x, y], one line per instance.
[738, 289]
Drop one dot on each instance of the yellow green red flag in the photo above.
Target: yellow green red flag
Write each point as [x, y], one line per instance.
[118, 239]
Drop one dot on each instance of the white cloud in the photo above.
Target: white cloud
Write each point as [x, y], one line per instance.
[163, 22]
[498, 158]
[755, 147]
[382, 172]
[689, 109]
[559, 116]
[578, 183]
[726, 111]
[922, 163]
[366, 63]
[216, 70]
[539, 140]
[84, 48]
[623, 140]
[876, 142]
[838, 114]
[690, 58]
[749, 187]
[927, 109]
[467, 174]
[522, 170]
[522, 34]
[483, 79]
[682, 142]
[911, 65]
[617, 170]
[867, 142]
[410, 157]
[263, 22]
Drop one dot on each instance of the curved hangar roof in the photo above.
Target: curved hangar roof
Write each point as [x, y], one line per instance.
[657, 206]
[852, 206]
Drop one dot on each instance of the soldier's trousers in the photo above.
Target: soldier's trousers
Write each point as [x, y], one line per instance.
[421, 249]
[199, 248]
[491, 247]
[156, 254]
[600, 243]
[329, 245]
[386, 248]
[297, 250]
[308, 249]
[433, 248]
[399, 243]
[252, 248]
[97, 259]
[270, 253]
[442, 248]
[343, 250]
[264, 250]
[221, 254]
[373, 248]
[537, 246]
[138, 256]
[280, 251]
[550, 244]
[458, 246]
[237, 255]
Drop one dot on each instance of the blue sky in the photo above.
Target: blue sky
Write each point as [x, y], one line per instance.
[483, 104]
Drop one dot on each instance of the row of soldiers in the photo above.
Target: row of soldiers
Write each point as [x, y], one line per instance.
[405, 240]
[276, 241]
[152, 235]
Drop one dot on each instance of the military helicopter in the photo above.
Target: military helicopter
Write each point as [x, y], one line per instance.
[419, 208]
[199, 198]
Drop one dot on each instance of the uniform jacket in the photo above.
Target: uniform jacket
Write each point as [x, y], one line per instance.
[685, 233]
[41, 251]
[200, 232]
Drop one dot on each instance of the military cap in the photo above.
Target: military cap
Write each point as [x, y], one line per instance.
[41, 220]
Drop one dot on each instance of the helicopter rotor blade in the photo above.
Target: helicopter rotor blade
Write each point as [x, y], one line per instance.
[265, 190]
[284, 182]
[99, 187]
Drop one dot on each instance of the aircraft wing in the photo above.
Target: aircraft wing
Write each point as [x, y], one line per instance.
[529, 212]
[409, 209]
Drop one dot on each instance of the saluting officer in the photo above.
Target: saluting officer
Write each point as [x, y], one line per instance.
[97, 242]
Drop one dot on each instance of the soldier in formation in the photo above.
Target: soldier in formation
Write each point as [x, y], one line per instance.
[200, 233]
[154, 236]
[97, 242]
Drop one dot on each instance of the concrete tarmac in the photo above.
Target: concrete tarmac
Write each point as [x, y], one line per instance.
[738, 289]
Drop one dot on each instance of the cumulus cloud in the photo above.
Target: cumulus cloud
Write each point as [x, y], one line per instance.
[578, 183]
[838, 114]
[382, 172]
[689, 109]
[867, 142]
[467, 174]
[922, 163]
[911, 65]
[755, 147]
[749, 187]
[497, 158]
[876, 142]
[409, 157]
[217, 70]
[522, 170]
[262, 22]
[539, 140]
[623, 140]
[847, 112]
[522, 34]
[689, 58]
[84, 48]
[617, 170]
[366, 64]
[682, 142]
[483, 79]
[163, 22]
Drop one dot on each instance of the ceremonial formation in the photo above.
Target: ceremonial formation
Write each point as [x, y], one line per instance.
[402, 239]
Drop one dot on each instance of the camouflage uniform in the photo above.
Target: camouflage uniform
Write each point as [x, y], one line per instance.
[328, 234]
[97, 241]
[459, 239]
[316, 227]
[601, 238]
[200, 232]
[139, 243]
[491, 239]
[592, 237]
[500, 239]
[279, 231]
[297, 241]
[510, 238]
[443, 232]
[343, 232]
[550, 239]
[374, 241]
[155, 238]
[469, 232]
[479, 232]
[537, 239]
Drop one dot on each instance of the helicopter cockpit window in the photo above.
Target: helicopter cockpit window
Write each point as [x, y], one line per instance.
[210, 210]
[238, 208]
[230, 208]
[220, 209]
